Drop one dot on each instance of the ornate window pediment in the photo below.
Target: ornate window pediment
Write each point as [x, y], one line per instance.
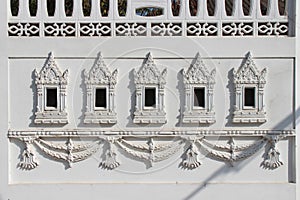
[150, 84]
[100, 85]
[199, 89]
[51, 86]
[249, 93]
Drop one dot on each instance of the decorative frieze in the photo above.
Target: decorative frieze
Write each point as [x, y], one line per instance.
[150, 149]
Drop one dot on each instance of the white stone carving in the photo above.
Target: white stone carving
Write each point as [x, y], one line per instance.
[28, 160]
[130, 24]
[202, 29]
[273, 28]
[99, 77]
[69, 151]
[237, 29]
[131, 29]
[110, 161]
[198, 76]
[24, 29]
[51, 77]
[151, 151]
[95, 29]
[272, 156]
[249, 76]
[191, 160]
[60, 29]
[166, 29]
[150, 77]
[145, 148]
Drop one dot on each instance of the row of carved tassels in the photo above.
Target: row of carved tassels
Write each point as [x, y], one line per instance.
[150, 152]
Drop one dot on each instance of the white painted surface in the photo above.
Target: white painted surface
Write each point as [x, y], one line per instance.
[135, 179]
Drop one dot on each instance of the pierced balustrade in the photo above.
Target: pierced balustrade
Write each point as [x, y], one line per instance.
[191, 18]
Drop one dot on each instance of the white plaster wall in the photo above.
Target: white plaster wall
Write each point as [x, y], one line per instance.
[213, 180]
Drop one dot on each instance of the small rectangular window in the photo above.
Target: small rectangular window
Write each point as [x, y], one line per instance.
[199, 97]
[100, 98]
[150, 97]
[51, 97]
[249, 97]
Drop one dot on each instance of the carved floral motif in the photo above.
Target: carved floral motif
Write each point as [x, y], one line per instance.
[148, 149]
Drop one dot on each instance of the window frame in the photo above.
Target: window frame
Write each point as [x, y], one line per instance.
[248, 76]
[105, 79]
[193, 114]
[149, 76]
[49, 77]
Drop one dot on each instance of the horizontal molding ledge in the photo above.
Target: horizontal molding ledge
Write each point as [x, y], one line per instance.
[93, 133]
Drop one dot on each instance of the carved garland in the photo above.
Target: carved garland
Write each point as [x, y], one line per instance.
[152, 151]
[99, 77]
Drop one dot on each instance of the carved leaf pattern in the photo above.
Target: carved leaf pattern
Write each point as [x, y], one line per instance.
[100, 74]
[248, 72]
[149, 73]
[198, 73]
[50, 73]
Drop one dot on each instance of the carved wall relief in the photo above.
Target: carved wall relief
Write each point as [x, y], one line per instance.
[199, 90]
[249, 85]
[51, 86]
[150, 85]
[100, 86]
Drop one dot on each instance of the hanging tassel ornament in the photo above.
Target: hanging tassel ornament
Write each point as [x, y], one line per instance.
[110, 161]
[191, 160]
[272, 158]
[28, 160]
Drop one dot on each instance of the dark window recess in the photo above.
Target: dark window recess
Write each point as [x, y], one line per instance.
[33, 6]
[122, 7]
[87, 7]
[199, 97]
[282, 7]
[175, 7]
[264, 5]
[51, 7]
[246, 7]
[211, 5]
[193, 4]
[104, 8]
[249, 97]
[69, 8]
[100, 98]
[14, 7]
[229, 7]
[150, 97]
[51, 97]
